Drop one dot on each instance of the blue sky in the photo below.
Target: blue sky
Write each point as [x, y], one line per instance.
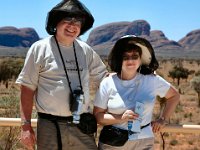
[174, 17]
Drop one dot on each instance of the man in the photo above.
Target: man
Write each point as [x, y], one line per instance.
[54, 68]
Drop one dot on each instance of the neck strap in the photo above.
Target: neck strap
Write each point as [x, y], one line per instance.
[65, 66]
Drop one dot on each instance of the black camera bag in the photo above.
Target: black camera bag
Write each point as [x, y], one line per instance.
[88, 123]
[113, 136]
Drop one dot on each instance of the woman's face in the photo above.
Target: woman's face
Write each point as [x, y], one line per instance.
[131, 62]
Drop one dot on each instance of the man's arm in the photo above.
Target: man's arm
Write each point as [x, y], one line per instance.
[26, 106]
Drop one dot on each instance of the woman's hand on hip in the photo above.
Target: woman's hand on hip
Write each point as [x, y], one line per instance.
[158, 125]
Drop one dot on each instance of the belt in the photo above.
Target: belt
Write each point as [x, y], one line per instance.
[131, 132]
[145, 126]
[110, 126]
[55, 118]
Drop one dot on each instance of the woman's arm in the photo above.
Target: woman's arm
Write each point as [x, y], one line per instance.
[105, 118]
[172, 99]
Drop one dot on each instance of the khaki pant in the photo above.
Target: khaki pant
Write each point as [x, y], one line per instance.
[72, 138]
[141, 144]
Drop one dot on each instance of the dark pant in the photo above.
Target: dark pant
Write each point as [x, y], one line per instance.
[71, 137]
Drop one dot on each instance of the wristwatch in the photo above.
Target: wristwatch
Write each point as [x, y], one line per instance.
[25, 122]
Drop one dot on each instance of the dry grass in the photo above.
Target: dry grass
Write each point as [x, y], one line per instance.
[186, 113]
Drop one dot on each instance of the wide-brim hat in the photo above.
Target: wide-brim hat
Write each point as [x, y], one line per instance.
[148, 59]
[142, 43]
[72, 8]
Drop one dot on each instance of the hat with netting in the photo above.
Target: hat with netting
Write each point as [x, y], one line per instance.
[66, 8]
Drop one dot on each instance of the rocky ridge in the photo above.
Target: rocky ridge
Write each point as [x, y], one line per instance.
[103, 38]
[14, 37]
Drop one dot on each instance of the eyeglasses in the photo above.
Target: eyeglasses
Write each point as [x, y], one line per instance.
[75, 20]
[132, 57]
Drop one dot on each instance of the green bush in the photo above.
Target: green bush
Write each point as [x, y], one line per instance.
[173, 142]
[10, 69]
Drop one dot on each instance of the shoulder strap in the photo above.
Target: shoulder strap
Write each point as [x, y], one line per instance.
[63, 65]
[77, 65]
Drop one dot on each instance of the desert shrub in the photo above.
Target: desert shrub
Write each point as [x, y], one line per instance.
[9, 139]
[10, 69]
[10, 104]
[179, 108]
[179, 73]
[195, 84]
[156, 141]
[166, 134]
[9, 136]
[197, 73]
[190, 142]
[185, 115]
[173, 142]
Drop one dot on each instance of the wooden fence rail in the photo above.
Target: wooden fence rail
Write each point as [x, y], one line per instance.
[7, 122]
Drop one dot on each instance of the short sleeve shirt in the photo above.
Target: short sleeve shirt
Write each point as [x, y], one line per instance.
[44, 73]
[117, 95]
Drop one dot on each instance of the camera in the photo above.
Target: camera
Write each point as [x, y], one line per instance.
[77, 105]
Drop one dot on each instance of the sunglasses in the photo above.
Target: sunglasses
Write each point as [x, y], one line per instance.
[133, 57]
[75, 20]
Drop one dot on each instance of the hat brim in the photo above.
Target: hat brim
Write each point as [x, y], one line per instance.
[69, 8]
[146, 55]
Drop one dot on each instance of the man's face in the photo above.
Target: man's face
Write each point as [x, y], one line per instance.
[68, 29]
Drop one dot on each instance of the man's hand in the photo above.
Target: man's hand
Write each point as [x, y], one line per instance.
[28, 136]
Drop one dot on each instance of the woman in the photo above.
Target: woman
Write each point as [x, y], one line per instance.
[124, 102]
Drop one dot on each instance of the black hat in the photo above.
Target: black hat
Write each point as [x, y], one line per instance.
[148, 59]
[68, 8]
